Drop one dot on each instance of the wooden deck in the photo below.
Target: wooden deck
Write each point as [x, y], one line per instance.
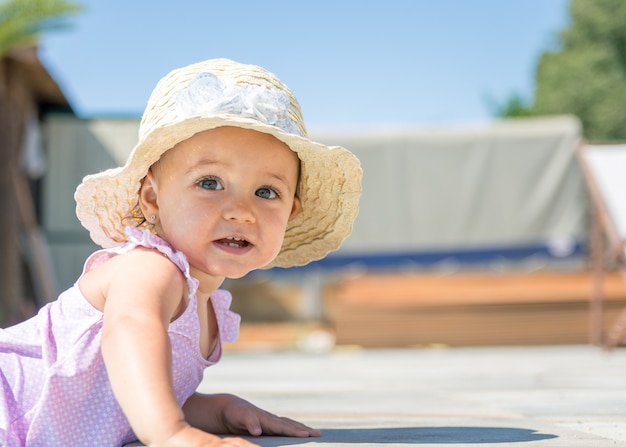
[378, 311]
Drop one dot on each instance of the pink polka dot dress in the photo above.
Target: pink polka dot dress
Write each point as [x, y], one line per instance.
[55, 390]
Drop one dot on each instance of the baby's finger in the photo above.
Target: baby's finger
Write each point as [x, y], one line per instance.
[253, 425]
[247, 424]
[283, 426]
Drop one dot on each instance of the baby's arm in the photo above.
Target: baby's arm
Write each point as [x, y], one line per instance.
[225, 413]
[144, 293]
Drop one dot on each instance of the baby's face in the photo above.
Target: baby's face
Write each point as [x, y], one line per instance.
[224, 198]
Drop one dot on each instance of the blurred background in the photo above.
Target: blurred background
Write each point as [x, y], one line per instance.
[475, 221]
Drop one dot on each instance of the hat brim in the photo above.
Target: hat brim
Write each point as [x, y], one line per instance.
[329, 189]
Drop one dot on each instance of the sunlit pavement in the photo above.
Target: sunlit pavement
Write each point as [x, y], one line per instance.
[529, 396]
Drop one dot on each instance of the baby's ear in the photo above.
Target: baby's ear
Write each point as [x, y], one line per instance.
[296, 207]
[148, 193]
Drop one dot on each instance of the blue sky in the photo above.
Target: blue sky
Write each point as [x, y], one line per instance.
[352, 63]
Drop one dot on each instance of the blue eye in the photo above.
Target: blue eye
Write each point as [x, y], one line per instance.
[210, 183]
[266, 193]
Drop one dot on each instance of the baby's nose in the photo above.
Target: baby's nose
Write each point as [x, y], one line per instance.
[240, 211]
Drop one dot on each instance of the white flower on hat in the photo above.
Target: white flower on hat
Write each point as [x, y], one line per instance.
[207, 94]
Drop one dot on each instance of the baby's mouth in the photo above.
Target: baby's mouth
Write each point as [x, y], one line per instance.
[234, 242]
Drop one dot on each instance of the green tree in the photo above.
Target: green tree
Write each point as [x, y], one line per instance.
[586, 74]
[515, 106]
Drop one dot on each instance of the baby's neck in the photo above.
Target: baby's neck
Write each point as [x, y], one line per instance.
[207, 283]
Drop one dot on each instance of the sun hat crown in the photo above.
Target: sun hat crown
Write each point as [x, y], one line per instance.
[222, 86]
[221, 92]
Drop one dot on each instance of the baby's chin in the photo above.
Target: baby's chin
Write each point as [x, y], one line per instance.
[239, 275]
[239, 271]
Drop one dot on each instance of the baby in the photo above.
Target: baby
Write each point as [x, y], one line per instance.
[223, 180]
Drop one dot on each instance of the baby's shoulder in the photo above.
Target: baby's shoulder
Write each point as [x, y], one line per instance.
[142, 260]
[137, 269]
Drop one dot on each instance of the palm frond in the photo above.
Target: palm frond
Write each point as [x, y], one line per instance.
[23, 21]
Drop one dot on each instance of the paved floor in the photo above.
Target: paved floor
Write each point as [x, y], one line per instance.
[566, 396]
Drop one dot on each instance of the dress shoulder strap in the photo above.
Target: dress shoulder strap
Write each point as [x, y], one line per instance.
[144, 238]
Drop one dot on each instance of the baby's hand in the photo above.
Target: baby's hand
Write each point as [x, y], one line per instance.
[241, 417]
[192, 437]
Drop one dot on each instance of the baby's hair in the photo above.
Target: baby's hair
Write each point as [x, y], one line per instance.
[137, 219]
[297, 193]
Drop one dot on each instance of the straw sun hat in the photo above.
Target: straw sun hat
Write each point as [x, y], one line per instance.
[220, 92]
